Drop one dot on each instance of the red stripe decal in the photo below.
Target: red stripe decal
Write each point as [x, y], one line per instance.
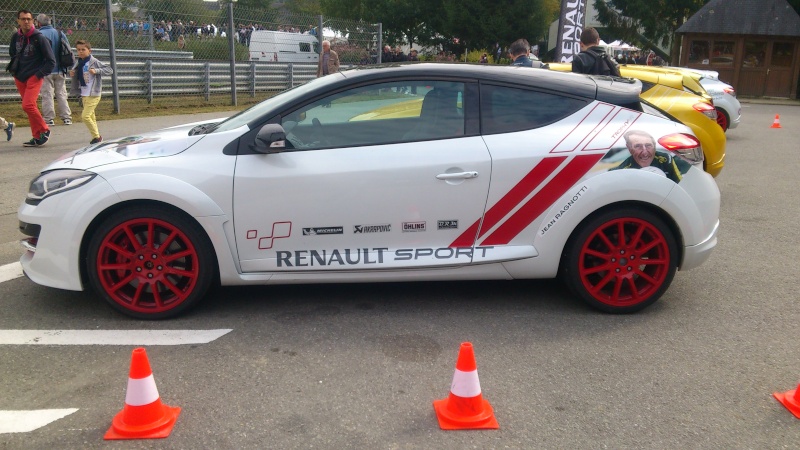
[518, 193]
[543, 199]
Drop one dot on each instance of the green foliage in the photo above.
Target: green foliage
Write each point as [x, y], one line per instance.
[656, 21]
[474, 56]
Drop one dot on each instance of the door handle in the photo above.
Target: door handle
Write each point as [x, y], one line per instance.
[457, 176]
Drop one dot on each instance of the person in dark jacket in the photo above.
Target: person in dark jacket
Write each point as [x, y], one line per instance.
[592, 59]
[35, 60]
[519, 51]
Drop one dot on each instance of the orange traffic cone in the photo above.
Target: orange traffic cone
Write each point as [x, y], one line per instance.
[777, 122]
[144, 416]
[465, 408]
[791, 400]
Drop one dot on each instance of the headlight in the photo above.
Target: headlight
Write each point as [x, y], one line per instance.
[54, 182]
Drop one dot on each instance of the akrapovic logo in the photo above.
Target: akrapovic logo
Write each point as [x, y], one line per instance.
[359, 229]
[413, 226]
[315, 231]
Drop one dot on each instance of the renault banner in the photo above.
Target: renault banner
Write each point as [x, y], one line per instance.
[570, 27]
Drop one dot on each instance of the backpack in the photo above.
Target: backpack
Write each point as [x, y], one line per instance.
[604, 64]
[66, 59]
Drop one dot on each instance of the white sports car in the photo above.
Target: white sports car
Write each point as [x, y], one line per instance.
[406, 172]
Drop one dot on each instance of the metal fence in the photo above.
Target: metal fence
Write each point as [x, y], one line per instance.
[196, 47]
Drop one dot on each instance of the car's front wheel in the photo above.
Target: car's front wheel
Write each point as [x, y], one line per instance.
[621, 261]
[150, 262]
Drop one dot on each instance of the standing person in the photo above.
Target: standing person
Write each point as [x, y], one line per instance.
[53, 84]
[87, 80]
[519, 51]
[412, 55]
[328, 60]
[593, 59]
[484, 59]
[35, 61]
[399, 56]
[387, 55]
[8, 127]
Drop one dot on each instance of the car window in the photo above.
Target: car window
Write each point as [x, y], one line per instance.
[506, 109]
[388, 112]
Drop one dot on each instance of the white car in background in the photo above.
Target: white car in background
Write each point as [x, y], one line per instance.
[729, 110]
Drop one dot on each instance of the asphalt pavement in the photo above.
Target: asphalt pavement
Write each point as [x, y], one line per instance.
[358, 366]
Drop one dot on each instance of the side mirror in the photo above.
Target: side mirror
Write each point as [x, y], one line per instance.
[271, 138]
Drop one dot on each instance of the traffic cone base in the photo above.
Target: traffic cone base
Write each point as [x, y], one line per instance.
[777, 122]
[791, 400]
[159, 429]
[483, 420]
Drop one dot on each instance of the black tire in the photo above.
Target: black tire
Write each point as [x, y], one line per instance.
[620, 276]
[146, 279]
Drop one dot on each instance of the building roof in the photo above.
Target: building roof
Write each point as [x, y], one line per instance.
[748, 17]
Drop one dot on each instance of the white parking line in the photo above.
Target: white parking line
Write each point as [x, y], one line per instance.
[109, 337]
[10, 271]
[25, 421]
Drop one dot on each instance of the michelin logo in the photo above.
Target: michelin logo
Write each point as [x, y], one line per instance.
[359, 229]
[322, 230]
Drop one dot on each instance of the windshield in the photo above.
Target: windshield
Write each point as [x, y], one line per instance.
[261, 109]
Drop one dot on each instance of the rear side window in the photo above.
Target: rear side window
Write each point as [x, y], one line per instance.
[305, 47]
[506, 109]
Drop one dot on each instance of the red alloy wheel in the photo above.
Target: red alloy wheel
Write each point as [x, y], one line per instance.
[625, 264]
[722, 119]
[147, 265]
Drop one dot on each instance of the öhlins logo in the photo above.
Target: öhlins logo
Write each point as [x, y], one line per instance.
[413, 226]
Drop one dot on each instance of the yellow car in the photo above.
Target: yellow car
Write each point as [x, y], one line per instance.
[674, 93]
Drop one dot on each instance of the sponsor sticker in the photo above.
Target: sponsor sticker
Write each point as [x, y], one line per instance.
[315, 231]
[411, 227]
[359, 229]
[447, 224]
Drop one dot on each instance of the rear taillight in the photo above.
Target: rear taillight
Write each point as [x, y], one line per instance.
[729, 90]
[706, 109]
[685, 145]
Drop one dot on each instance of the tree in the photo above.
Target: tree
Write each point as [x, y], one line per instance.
[656, 21]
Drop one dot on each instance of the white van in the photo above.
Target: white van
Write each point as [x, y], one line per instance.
[282, 46]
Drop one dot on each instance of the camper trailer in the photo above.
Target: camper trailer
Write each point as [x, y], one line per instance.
[281, 46]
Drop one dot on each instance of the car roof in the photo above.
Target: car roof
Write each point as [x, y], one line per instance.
[606, 89]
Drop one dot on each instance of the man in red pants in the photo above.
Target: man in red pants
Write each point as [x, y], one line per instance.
[35, 60]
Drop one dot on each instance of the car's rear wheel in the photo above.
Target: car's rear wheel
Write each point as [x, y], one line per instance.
[150, 262]
[621, 261]
[722, 119]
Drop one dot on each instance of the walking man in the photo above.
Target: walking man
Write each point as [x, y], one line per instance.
[328, 60]
[35, 61]
[54, 83]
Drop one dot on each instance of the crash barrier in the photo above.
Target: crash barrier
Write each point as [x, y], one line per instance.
[158, 77]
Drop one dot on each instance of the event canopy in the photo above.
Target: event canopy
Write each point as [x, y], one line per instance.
[619, 45]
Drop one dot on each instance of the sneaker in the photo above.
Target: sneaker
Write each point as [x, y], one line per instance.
[43, 137]
[50, 122]
[31, 143]
[10, 130]
[96, 140]
[67, 121]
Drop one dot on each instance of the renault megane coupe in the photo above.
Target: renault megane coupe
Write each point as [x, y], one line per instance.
[392, 173]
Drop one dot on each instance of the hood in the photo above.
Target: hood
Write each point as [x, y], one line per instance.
[155, 144]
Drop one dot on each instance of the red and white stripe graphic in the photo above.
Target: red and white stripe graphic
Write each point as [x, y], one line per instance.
[550, 178]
